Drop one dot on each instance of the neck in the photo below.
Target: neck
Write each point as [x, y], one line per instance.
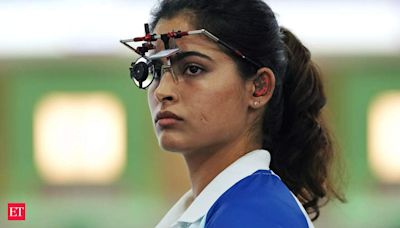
[206, 164]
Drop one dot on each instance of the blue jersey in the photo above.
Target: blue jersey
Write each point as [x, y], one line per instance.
[259, 200]
[245, 194]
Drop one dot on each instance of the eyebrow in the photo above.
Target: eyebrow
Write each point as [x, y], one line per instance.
[181, 55]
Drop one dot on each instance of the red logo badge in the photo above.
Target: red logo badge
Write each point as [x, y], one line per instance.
[16, 211]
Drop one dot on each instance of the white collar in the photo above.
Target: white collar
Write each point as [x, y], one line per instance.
[241, 168]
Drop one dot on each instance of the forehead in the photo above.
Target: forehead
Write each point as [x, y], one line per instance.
[176, 23]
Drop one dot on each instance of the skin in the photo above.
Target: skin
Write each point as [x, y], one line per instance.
[217, 106]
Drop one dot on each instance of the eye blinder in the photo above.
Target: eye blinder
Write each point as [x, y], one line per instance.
[140, 72]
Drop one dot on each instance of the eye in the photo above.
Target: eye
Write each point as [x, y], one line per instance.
[193, 70]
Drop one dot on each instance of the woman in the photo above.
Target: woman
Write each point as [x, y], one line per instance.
[238, 100]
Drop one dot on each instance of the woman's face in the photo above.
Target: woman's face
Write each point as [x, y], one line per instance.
[207, 108]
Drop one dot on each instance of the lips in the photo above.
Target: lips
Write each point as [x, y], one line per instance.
[167, 116]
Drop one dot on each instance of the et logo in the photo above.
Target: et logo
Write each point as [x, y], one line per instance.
[16, 211]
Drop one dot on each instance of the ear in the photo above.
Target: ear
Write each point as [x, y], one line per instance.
[263, 85]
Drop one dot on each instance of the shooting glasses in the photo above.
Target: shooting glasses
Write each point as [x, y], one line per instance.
[147, 68]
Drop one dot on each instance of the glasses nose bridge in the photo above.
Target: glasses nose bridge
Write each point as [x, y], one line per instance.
[166, 88]
[169, 68]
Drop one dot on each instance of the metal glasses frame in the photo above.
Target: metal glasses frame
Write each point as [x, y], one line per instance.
[148, 45]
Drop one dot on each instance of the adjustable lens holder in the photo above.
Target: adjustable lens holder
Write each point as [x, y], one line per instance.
[142, 71]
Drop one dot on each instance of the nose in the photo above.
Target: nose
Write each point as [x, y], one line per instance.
[166, 89]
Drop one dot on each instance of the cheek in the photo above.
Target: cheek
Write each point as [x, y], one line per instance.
[221, 108]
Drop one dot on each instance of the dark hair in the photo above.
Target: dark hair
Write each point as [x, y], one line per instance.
[293, 130]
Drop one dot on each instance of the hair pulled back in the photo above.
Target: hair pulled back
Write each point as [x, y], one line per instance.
[293, 129]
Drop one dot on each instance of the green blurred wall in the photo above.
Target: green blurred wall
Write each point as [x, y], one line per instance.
[24, 82]
[352, 84]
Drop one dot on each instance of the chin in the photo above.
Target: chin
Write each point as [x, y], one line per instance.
[172, 144]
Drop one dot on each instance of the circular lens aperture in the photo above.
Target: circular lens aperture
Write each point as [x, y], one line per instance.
[140, 73]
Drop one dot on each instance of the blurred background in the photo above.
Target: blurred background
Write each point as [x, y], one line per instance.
[76, 140]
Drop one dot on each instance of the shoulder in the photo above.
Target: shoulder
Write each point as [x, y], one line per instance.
[259, 200]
